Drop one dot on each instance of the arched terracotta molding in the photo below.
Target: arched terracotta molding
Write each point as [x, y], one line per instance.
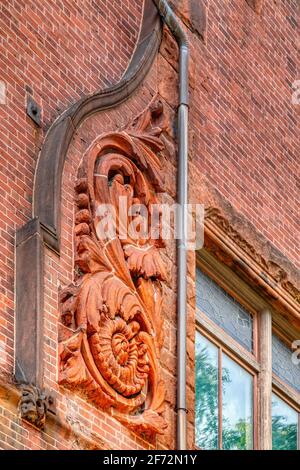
[46, 204]
[44, 228]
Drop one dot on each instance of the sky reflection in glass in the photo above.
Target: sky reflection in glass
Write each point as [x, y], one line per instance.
[206, 393]
[237, 400]
[237, 392]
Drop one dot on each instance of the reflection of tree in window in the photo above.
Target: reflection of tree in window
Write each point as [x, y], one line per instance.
[237, 407]
[237, 429]
[206, 394]
[284, 425]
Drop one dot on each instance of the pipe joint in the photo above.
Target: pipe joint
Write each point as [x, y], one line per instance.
[170, 19]
[183, 409]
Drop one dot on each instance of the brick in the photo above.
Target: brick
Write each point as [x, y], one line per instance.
[244, 140]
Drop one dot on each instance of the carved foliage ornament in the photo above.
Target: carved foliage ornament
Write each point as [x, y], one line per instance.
[111, 327]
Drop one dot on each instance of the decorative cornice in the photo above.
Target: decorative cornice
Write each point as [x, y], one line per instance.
[34, 405]
[238, 243]
[233, 248]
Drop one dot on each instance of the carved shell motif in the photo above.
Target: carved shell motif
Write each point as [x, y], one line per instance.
[111, 327]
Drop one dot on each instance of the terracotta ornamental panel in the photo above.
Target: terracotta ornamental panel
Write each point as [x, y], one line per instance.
[111, 327]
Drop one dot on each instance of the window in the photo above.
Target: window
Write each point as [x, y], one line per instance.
[237, 406]
[282, 364]
[224, 399]
[224, 310]
[285, 425]
[285, 410]
[228, 355]
[207, 394]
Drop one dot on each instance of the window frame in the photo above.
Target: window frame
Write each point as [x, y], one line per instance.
[243, 363]
[255, 304]
[276, 391]
[283, 390]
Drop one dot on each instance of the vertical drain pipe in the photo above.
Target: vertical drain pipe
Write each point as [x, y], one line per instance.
[171, 21]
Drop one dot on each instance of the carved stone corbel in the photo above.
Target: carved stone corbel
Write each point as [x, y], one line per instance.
[34, 405]
[110, 333]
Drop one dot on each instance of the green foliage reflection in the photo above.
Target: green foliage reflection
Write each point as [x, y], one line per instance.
[284, 425]
[206, 400]
[235, 435]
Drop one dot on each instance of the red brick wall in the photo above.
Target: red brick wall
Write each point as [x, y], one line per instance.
[59, 51]
[75, 413]
[244, 134]
[244, 126]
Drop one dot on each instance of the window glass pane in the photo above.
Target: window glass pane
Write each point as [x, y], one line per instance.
[237, 406]
[224, 310]
[284, 425]
[206, 393]
[283, 365]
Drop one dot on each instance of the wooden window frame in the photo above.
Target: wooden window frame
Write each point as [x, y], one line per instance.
[242, 361]
[266, 381]
[280, 388]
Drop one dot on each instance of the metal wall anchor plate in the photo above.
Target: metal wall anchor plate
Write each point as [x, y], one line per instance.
[33, 110]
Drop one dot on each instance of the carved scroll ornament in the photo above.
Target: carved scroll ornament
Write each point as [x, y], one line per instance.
[111, 327]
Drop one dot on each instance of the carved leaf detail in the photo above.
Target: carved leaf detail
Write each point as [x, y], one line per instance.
[145, 262]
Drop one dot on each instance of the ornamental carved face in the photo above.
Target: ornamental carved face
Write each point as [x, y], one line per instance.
[111, 327]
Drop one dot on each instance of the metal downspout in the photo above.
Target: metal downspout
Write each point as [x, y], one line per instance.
[171, 21]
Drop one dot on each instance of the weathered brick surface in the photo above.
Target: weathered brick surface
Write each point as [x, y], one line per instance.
[244, 135]
[245, 127]
[58, 51]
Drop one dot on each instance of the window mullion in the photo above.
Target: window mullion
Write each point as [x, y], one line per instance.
[220, 400]
[265, 380]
